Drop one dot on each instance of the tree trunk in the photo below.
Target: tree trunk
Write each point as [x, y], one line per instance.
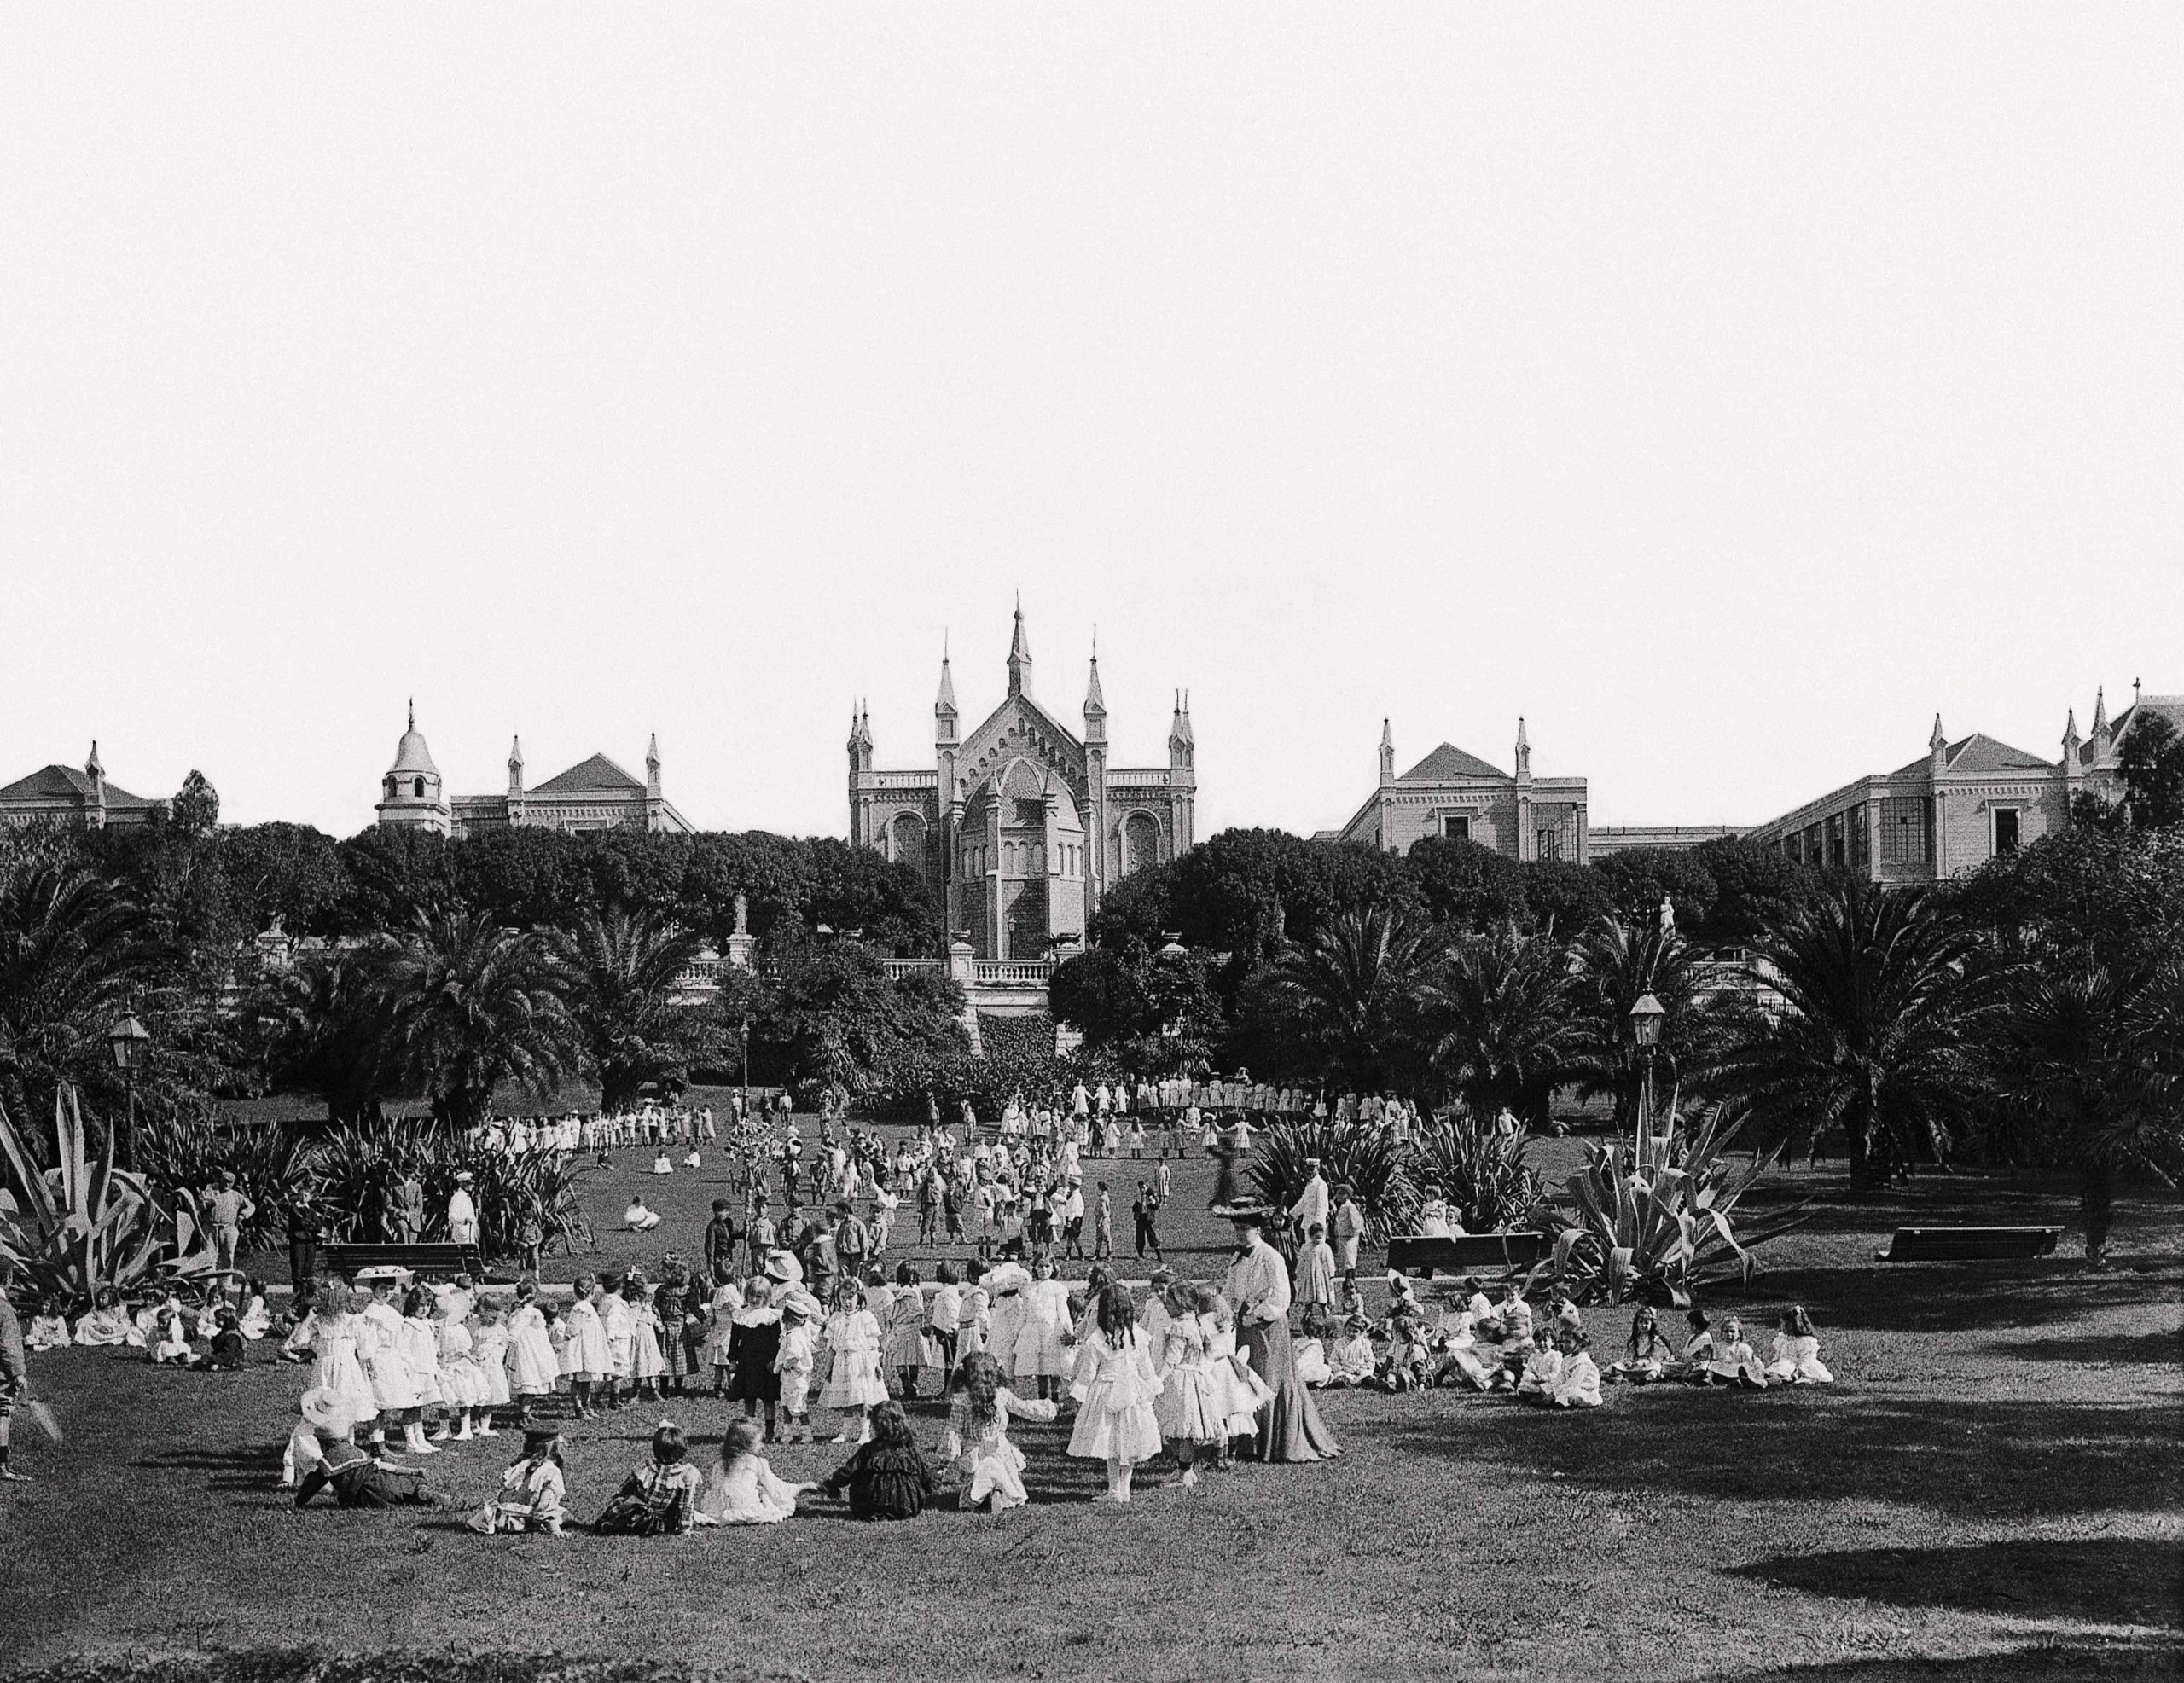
[2098, 1198]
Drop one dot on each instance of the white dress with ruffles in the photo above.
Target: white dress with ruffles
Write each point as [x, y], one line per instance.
[1117, 1387]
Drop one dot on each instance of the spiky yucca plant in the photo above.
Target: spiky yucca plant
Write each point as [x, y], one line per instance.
[1365, 1157]
[186, 1153]
[1652, 1220]
[87, 1225]
[1481, 1171]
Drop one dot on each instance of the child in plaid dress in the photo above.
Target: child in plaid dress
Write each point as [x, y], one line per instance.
[660, 1497]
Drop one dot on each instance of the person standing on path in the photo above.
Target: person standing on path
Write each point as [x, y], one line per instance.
[227, 1209]
[306, 1227]
[720, 1244]
[462, 1211]
[408, 1207]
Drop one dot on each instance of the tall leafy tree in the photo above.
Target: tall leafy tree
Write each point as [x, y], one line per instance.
[1875, 1033]
[1613, 965]
[1501, 1015]
[73, 955]
[625, 970]
[2152, 761]
[1350, 992]
[473, 1004]
[325, 1027]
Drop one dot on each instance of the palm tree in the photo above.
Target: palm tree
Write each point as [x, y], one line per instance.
[1874, 1033]
[1613, 965]
[1353, 991]
[1504, 1024]
[73, 953]
[2093, 1051]
[473, 1004]
[328, 1029]
[625, 969]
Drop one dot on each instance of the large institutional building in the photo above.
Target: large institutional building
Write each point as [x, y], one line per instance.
[62, 794]
[597, 795]
[1022, 824]
[1961, 802]
[1451, 792]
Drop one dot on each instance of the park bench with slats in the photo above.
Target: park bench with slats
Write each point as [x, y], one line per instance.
[1421, 1254]
[1969, 1245]
[440, 1259]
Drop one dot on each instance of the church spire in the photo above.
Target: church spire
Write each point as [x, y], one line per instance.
[1524, 752]
[1020, 656]
[1387, 754]
[515, 768]
[1096, 703]
[651, 767]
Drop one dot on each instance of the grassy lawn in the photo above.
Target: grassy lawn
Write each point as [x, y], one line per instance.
[1993, 1490]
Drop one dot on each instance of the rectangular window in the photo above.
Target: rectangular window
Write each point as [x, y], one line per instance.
[1550, 842]
[2005, 830]
[1455, 826]
[1860, 839]
[1905, 831]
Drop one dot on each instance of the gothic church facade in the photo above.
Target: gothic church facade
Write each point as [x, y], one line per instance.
[1022, 824]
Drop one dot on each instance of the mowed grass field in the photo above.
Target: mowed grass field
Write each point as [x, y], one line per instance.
[1993, 1489]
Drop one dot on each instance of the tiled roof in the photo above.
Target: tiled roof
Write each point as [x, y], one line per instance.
[2170, 707]
[596, 776]
[1446, 764]
[1978, 752]
[65, 782]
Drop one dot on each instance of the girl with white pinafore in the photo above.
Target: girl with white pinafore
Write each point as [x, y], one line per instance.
[1116, 1386]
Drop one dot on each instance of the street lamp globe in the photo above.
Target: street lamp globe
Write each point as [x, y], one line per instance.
[1646, 1018]
[128, 1038]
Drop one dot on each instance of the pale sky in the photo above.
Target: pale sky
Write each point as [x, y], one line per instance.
[1725, 389]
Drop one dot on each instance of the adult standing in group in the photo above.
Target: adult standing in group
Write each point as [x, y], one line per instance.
[852, 1240]
[1310, 1211]
[1348, 1228]
[462, 1211]
[720, 1244]
[306, 1227]
[227, 1209]
[409, 1206]
[1290, 1428]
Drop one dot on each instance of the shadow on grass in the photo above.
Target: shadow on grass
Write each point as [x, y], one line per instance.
[2128, 1663]
[2011, 1460]
[2117, 1580]
[1956, 1297]
[2146, 1348]
[316, 1665]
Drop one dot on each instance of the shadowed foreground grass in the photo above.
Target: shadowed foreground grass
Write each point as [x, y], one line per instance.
[1993, 1491]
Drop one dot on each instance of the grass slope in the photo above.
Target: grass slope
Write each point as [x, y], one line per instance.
[1993, 1491]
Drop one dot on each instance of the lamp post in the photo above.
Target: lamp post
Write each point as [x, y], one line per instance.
[128, 1039]
[1646, 1018]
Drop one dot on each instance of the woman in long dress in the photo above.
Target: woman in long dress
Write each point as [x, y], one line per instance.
[1116, 1386]
[1290, 1428]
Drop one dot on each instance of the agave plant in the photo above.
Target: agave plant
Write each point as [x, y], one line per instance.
[1480, 1170]
[1653, 1220]
[181, 1153]
[1365, 1157]
[86, 1225]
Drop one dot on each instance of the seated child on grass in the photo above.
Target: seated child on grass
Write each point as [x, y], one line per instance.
[1646, 1356]
[1311, 1350]
[106, 1322]
[1579, 1384]
[226, 1353]
[1351, 1361]
[660, 1497]
[742, 1489]
[1406, 1364]
[1735, 1363]
[1542, 1369]
[534, 1489]
[1795, 1357]
[887, 1479]
[48, 1327]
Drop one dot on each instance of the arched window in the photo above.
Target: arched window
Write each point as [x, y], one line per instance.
[1141, 841]
[420, 788]
[906, 840]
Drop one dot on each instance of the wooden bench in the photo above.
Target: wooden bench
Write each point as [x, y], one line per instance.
[1969, 1245]
[1421, 1254]
[444, 1259]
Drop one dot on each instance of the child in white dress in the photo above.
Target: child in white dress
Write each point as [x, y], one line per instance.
[256, 1320]
[647, 1360]
[586, 1356]
[1795, 1357]
[533, 1368]
[1351, 1361]
[742, 1489]
[462, 1380]
[48, 1328]
[534, 1490]
[1735, 1363]
[1698, 1348]
[1578, 1386]
[989, 1467]
[1193, 1406]
[1244, 1392]
[1116, 1385]
[1646, 1358]
[1310, 1351]
[621, 1330]
[720, 1322]
[1040, 1356]
[172, 1343]
[1542, 1369]
[853, 1378]
[418, 1347]
[489, 1348]
[105, 1323]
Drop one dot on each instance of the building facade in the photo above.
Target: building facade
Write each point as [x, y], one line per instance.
[1963, 802]
[1452, 793]
[595, 795]
[1022, 823]
[61, 794]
